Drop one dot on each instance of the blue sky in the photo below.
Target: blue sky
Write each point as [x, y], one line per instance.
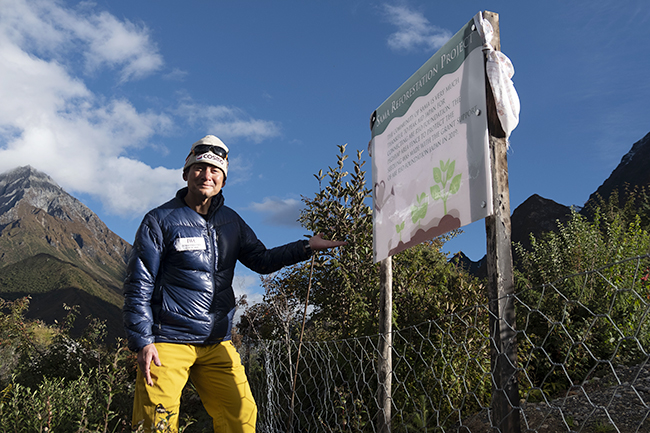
[106, 97]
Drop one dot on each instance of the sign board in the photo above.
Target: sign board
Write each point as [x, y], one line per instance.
[429, 147]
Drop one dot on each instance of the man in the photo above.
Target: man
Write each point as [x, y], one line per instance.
[179, 302]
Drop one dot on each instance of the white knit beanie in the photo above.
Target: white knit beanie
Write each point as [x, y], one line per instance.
[208, 157]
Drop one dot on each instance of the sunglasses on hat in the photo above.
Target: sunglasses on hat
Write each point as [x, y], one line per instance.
[204, 148]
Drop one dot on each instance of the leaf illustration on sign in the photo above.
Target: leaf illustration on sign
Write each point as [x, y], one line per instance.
[399, 228]
[419, 211]
[448, 184]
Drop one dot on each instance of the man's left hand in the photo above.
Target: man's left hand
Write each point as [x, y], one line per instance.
[317, 243]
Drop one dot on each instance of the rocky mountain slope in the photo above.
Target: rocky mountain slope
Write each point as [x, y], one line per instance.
[537, 214]
[55, 249]
[633, 170]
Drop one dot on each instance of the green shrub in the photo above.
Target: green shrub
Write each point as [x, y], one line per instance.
[582, 301]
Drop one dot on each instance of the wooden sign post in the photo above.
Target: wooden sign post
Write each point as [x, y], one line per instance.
[427, 138]
[505, 391]
[384, 392]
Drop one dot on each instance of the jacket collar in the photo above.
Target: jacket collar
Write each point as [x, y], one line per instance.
[217, 201]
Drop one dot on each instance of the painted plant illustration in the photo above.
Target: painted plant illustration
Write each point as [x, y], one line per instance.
[399, 228]
[446, 183]
[419, 211]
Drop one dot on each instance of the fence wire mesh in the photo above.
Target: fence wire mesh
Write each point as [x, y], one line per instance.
[582, 366]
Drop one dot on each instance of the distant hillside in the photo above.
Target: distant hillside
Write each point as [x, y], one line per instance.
[49, 307]
[633, 170]
[53, 247]
[52, 274]
[56, 250]
[537, 214]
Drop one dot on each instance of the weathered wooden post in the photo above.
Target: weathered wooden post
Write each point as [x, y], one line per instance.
[411, 153]
[385, 368]
[505, 391]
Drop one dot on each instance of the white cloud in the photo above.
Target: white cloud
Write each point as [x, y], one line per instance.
[228, 122]
[279, 212]
[414, 31]
[248, 285]
[240, 168]
[52, 121]
[29, 24]
[116, 44]
[176, 75]
[53, 31]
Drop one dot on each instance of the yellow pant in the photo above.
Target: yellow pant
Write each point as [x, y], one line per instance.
[219, 377]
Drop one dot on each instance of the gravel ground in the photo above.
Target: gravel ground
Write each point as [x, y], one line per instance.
[617, 402]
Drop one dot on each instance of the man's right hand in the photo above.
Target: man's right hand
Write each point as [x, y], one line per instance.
[146, 355]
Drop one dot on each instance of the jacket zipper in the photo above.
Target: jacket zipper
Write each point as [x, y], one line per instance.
[214, 252]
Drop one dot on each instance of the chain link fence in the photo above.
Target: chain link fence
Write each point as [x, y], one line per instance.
[582, 366]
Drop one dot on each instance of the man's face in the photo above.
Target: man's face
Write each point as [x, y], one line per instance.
[204, 181]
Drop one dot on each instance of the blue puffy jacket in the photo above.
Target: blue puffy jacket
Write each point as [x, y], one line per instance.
[178, 287]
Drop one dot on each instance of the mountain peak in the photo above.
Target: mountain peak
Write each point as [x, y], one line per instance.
[632, 171]
[26, 185]
[25, 172]
[24, 178]
[53, 248]
[535, 216]
[37, 215]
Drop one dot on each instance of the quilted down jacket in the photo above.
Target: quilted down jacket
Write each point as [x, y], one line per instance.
[178, 287]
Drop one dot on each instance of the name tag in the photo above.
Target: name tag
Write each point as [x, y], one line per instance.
[189, 244]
